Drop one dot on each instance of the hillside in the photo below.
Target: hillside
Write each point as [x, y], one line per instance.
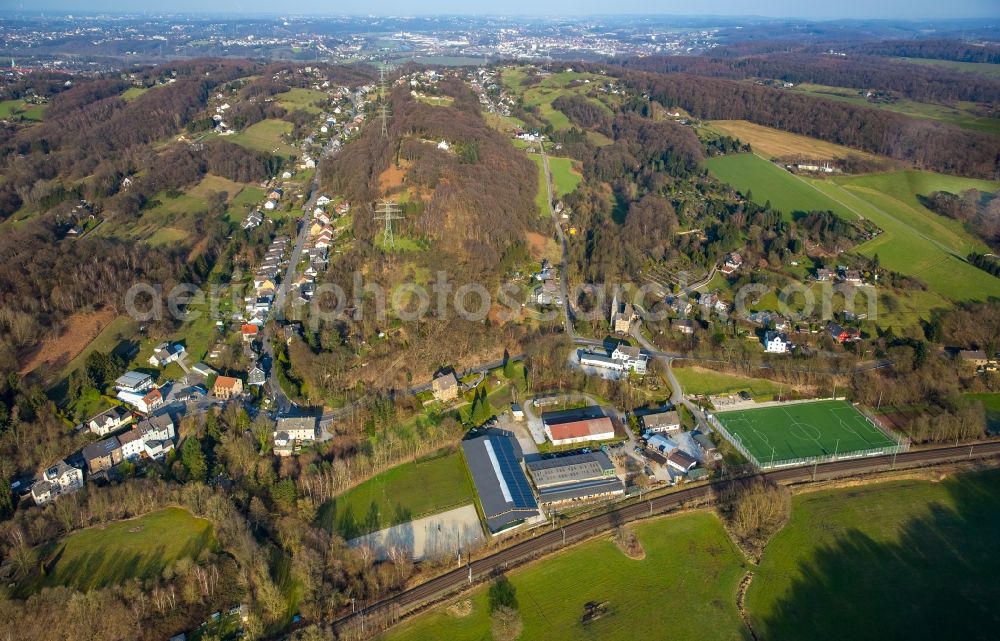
[467, 199]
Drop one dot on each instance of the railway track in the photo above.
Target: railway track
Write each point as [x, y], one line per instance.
[551, 540]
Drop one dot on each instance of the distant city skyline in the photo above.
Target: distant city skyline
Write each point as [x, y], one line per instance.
[901, 10]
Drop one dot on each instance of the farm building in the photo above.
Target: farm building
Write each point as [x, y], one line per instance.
[577, 430]
[575, 477]
[494, 461]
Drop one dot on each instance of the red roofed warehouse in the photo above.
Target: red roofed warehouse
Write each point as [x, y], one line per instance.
[580, 431]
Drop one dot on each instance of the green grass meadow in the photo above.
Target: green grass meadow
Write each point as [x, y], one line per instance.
[173, 217]
[305, 99]
[981, 68]
[249, 197]
[132, 93]
[398, 495]
[991, 403]
[142, 547]
[915, 241]
[267, 136]
[552, 86]
[685, 588]
[26, 110]
[565, 178]
[751, 174]
[695, 380]
[911, 559]
[899, 560]
[542, 196]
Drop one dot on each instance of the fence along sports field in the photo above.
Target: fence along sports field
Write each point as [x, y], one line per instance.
[805, 433]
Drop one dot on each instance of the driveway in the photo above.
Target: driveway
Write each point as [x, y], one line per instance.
[524, 436]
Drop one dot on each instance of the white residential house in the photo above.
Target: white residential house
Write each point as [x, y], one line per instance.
[681, 461]
[322, 201]
[253, 219]
[622, 359]
[733, 262]
[144, 403]
[270, 205]
[157, 428]
[157, 435]
[631, 358]
[166, 353]
[132, 445]
[61, 478]
[776, 343]
[290, 432]
[109, 421]
[669, 421]
[682, 325]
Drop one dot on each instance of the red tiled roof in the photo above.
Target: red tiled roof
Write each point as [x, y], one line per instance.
[249, 329]
[226, 381]
[581, 429]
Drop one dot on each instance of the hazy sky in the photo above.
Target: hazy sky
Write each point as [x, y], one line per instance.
[829, 9]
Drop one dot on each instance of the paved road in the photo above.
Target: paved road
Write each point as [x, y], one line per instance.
[552, 540]
[283, 404]
[676, 392]
[563, 276]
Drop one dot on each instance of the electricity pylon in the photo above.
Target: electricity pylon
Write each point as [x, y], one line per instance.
[383, 109]
[387, 211]
[384, 115]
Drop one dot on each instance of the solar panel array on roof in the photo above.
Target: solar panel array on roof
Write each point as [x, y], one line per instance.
[504, 492]
[509, 471]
